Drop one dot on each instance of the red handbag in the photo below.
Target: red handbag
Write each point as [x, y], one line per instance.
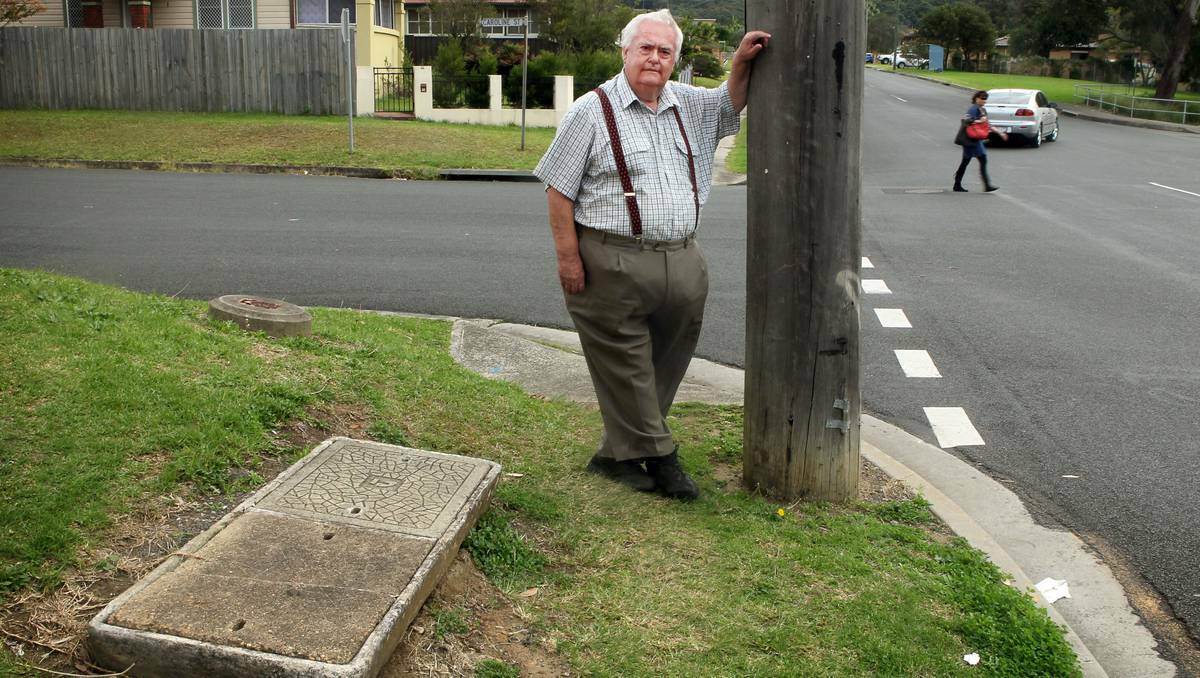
[979, 130]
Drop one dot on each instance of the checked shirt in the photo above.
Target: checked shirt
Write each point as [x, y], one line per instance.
[580, 164]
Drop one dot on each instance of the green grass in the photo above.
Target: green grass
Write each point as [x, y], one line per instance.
[736, 160]
[493, 668]
[110, 400]
[418, 149]
[1059, 90]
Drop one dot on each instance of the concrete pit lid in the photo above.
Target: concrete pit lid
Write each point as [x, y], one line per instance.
[254, 313]
[318, 574]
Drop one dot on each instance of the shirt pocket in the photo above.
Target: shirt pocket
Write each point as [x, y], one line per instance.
[638, 156]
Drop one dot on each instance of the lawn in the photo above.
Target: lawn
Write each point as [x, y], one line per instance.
[1061, 90]
[117, 408]
[417, 149]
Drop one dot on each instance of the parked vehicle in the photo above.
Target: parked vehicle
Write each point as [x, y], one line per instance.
[870, 58]
[1023, 112]
[903, 60]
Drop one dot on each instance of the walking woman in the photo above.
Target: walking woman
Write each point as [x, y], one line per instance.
[974, 148]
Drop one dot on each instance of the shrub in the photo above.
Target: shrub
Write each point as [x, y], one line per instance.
[706, 65]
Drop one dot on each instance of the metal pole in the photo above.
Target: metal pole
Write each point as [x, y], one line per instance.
[350, 72]
[524, 77]
[804, 221]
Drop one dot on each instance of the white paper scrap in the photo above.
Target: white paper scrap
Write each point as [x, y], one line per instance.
[1070, 476]
[972, 659]
[1053, 589]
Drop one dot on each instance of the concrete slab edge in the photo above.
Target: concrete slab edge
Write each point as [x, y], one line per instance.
[964, 526]
[118, 646]
[227, 167]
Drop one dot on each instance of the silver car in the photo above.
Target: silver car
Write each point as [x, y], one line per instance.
[1023, 112]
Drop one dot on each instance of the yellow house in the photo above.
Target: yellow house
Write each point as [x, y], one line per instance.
[379, 24]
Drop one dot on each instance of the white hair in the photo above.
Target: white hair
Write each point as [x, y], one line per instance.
[662, 16]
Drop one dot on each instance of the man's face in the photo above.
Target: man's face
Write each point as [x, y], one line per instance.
[650, 57]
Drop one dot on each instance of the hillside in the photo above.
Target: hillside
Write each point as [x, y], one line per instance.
[723, 11]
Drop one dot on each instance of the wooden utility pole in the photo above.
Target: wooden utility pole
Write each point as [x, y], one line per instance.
[803, 250]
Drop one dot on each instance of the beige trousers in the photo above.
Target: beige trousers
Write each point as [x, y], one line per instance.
[639, 319]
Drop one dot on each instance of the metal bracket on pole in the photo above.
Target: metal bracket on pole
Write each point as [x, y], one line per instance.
[843, 424]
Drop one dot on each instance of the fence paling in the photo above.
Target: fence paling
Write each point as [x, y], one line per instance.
[173, 70]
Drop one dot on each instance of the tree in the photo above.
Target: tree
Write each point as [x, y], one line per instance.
[1163, 27]
[1051, 23]
[460, 18]
[699, 38]
[583, 25]
[967, 27]
[12, 11]
[883, 30]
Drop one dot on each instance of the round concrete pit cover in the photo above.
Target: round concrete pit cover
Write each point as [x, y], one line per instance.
[276, 318]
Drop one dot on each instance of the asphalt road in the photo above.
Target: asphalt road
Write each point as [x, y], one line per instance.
[1060, 312]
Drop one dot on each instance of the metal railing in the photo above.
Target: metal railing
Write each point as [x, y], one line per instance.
[1125, 103]
[393, 90]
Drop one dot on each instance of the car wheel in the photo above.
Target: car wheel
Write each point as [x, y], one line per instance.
[1037, 138]
[1053, 135]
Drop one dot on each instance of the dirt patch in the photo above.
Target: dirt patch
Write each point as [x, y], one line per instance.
[322, 422]
[497, 630]
[874, 486]
[877, 487]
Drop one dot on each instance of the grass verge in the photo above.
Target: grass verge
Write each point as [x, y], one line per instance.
[418, 149]
[1059, 90]
[112, 401]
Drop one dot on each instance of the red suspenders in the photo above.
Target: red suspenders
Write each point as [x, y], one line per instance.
[610, 121]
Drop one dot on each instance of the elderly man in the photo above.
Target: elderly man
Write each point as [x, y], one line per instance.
[625, 179]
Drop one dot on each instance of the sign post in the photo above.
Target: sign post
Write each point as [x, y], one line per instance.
[350, 73]
[523, 22]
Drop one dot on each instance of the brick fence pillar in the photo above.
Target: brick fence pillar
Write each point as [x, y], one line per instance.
[93, 15]
[139, 13]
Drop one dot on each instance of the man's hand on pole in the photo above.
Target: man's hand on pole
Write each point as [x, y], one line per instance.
[748, 49]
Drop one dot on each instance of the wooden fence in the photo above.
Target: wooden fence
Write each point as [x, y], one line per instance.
[166, 69]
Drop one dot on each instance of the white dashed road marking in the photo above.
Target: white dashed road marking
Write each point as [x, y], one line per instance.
[899, 99]
[866, 263]
[1175, 189]
[952, 427]
[892, 317]
[875, 287]
[917, 364]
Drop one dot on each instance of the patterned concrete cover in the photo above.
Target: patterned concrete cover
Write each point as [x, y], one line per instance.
[317, 574]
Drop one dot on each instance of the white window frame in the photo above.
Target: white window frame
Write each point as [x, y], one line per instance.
[225, 16]
[423, 19]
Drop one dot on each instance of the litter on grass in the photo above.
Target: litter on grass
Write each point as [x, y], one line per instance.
[972, 659]
[1053, 589]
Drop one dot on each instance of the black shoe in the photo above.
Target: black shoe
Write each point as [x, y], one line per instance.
[671, 478]
[959, 189]
[628, 472]
[990, 188]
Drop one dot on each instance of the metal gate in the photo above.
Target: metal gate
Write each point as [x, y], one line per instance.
[393, 90]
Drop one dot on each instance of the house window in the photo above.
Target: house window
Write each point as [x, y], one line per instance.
[74, 13]
[421, 22]
[325, 11]
[225, 13]
[385, 13]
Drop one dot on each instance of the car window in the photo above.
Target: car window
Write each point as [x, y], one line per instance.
[1012, 98]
